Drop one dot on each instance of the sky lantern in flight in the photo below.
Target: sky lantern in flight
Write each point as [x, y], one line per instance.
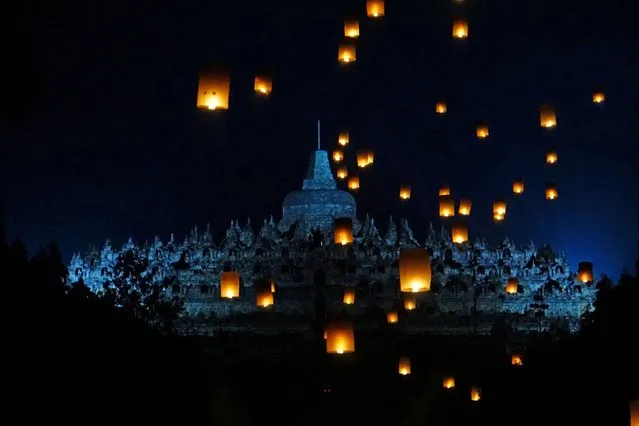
[448, 382]
[404, 366]
[516, 360]
[464, 207]
[512, 285]
[264, 298]
[392, 317]
[414, 270]
[551, 157]
[518, 187]
[444, 191]
[375, 8]
[343, 230]
[598, 97]
[213, 90]
[342, 173]
[410, 304]
[459, 233]
[475, 394]
[353, 183]
[551, 192]
[338, 155]
[547, 116]
[351, 29]
[340, 338]
[404, 192]
[263, 85]
[446, 206]
[441, 108]
[634, 412]
[460, 28]
[482, 131]
[585, 272]
[499, 210]
[349, 296]
[343, 138]
[346, 53]
[230, 285]
[365, 158]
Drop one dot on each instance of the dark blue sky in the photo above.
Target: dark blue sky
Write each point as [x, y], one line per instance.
[110, 143]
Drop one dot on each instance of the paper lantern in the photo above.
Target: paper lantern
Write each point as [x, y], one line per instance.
[512, 285]
[375, 8]
[338, 155]
[404, 366]
[634, 413]
[213, 90]
[482, 131]
[404, 192]
[340, 338]
[460, 28]
[444, 191]
[551, 157]
[459, 233]
[371, 157]
[362, 159]
[346, 53]
[465, 207]
[499, 207]
[263, 85]
[349, 296]
[353, 183]
[343, 138]
[342, 173]
[518, 187]
[392, 317]
[414, 270]
[343, 230]
[272, 287]
[448, 382]
[351, 29]
[264, 298]
[598, 97]
[440, 107]
[585, 272]
[551, 192]
[446, 207]
[516, 360]
[410, 303]
[547, 116]
[230, 285]
[475, 394]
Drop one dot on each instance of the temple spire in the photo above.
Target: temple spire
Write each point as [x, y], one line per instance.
[318, 135]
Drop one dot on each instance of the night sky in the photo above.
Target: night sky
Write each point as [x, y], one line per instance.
[101, 138]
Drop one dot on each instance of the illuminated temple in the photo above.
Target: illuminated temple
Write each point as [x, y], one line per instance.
[473, 286]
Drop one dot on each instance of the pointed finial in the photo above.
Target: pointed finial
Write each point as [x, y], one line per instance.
[318, 135]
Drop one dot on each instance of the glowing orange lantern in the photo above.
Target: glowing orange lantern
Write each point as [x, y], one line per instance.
[441, 108]
[349, 296]
[338, 155]
[482, 131]
[512, 285]
[460, 28]
[353, 183]
[410, 303]
[444, 191]
[448, 382]
[465, 207]
[264, 298]
[404, 192]
[585, 272]
[551, 192]
[343, 230]
[263, 85]
[342, 173]
[598, 97]
[475, 394]
[516, 360]
[634, 413]
[404, 366]
[230, 285]
[392, 317]
[499, 207]
[547, 116]
[375, 8]
[459, 233]
[446, 207]
[551, 157]
[414, 270]
[213, 90]
[272, 287]
[346, 53]
[340, 338]
[351, 29]
[343, 138]
[518, 187]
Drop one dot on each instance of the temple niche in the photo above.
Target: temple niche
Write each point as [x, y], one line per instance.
[469, 280]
